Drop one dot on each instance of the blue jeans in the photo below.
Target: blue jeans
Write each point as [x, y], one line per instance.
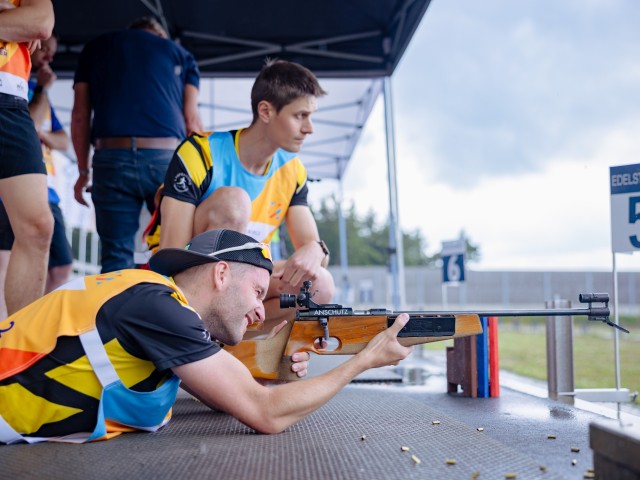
[122, 181]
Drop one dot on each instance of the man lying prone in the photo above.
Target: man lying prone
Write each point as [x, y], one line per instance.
[105, 354]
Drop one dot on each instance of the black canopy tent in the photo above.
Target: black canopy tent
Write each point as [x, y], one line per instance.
[334, 38]
[357, 41]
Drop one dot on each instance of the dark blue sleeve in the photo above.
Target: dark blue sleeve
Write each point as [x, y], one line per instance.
[83, 69]
[192, 71]
[300, 198]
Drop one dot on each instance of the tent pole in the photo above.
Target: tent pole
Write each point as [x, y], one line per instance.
[396, 253]
[344, 260]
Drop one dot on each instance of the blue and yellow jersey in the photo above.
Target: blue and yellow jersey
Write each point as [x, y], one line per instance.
[15, 66]
[206, 162]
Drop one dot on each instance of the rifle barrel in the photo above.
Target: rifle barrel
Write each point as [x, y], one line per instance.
[551, 312]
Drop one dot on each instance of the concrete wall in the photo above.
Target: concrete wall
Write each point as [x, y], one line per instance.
[370, 287]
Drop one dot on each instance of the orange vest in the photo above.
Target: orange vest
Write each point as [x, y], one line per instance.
[15, 66]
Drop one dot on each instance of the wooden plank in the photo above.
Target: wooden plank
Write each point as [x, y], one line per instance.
[462, 367]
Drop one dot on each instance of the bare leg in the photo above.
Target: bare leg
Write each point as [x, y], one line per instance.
[227, 207]
[57, 276]
[5, 255]
[25, 198]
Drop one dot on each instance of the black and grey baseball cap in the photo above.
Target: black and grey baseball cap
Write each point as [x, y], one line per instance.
[210, 247]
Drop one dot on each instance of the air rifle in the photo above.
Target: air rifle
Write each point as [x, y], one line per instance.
[331, 329]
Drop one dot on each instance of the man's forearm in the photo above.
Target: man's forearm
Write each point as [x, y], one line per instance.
[80, 137]
[177, 223]
[81, 125]
[190, 110]
[57, 140]
[38, 109]
[291, 402]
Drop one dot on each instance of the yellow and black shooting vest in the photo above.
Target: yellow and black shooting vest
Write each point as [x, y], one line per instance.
[31, 334]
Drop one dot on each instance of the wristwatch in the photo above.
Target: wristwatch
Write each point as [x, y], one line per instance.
[38, 89]
[325, 249]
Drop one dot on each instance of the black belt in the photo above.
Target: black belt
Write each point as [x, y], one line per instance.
[159, 143]
[12, 101]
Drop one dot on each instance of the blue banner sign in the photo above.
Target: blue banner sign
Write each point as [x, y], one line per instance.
[453, 261]
[625, 208]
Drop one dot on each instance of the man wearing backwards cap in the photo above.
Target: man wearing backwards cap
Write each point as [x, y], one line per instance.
[105, 354]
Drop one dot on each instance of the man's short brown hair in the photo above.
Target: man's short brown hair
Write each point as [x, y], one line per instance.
[150, 24]
[281, 82]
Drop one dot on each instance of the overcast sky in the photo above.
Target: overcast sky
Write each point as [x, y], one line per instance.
[508, 116]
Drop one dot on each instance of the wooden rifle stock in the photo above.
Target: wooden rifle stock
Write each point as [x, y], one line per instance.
[271, 358]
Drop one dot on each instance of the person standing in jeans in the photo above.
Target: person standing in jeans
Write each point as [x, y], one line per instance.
[142, 89]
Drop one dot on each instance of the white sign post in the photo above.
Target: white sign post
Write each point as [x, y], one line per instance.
[625, 230]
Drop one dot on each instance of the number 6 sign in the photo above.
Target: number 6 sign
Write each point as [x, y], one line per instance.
[453, 261]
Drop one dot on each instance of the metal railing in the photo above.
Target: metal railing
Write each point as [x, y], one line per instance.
[85, 246]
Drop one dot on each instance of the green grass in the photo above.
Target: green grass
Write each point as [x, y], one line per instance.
[630, 322]
[523, 351]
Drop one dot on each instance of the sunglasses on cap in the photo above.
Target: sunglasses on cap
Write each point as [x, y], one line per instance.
[264, 248]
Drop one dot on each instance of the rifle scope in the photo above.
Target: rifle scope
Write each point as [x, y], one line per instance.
[287, 300]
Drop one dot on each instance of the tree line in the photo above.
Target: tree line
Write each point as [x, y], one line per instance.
[368, 238]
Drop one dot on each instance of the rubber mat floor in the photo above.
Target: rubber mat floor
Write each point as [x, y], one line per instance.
[358, 435]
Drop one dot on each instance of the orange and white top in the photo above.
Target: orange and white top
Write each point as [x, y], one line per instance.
[15, 66]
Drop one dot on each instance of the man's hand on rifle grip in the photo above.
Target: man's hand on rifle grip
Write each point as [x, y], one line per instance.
[300, 363]
[384, 348]
[299, 360]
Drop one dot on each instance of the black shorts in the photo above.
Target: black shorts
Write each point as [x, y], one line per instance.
[20, 150]
[60, 252]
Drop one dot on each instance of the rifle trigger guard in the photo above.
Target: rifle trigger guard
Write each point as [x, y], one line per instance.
[324, 323]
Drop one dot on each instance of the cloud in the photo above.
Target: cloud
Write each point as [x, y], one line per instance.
[555, 218]
[502, 88]
[558, 217]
